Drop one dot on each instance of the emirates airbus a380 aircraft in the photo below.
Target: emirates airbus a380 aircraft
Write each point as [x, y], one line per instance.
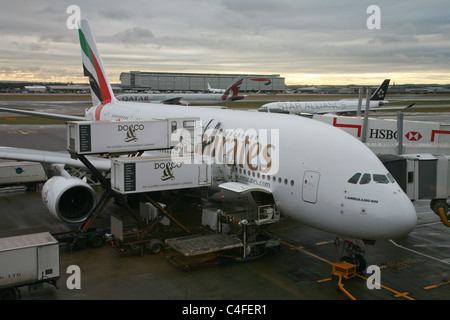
[317, 174]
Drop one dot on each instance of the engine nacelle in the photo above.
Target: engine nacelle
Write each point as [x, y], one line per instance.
[69, 199]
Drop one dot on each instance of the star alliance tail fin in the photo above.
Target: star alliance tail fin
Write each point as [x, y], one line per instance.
[380, 93]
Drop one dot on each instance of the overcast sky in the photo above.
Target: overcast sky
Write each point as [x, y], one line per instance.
[307, 42]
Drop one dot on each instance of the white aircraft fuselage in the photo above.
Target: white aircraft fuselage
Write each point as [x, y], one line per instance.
[338, 106]
[185, 98]
[316, 161]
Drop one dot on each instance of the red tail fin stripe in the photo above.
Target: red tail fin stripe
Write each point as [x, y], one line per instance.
[102, 82]
[98, 111]
[234, 89]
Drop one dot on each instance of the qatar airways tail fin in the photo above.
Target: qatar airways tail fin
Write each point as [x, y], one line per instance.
[93, 66]
[233, 89]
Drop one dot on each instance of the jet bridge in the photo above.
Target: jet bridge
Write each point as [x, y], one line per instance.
[423, 176]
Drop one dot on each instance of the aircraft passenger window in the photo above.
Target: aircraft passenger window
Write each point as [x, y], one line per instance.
[292, 182]
[365, 179]
[355, 178]
[391, 177]
[189, 124]
[380, 178]
[174, 126]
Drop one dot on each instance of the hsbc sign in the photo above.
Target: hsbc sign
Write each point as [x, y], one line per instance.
[386, 134]
[385, 130]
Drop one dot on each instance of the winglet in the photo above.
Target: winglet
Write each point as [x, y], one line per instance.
[93, 66]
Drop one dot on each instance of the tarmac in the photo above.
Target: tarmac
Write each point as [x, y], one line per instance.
[416, 267]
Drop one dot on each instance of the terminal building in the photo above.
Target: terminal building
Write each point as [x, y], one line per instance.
[198, 82]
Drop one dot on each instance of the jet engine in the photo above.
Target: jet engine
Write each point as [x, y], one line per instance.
[68, 198]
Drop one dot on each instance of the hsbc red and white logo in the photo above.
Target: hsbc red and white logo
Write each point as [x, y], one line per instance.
[413, 136]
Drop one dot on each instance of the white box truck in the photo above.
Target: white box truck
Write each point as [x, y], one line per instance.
[21, 173]
[27, 260]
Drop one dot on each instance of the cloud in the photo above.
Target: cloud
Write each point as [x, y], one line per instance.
[286, 37]
[135, 36]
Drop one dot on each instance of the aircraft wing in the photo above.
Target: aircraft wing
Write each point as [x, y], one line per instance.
[50, 157]
[391, 108]
[172, 101]
[242, 188]
[44, 114]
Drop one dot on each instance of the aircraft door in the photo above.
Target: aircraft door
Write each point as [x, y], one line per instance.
[310, 186]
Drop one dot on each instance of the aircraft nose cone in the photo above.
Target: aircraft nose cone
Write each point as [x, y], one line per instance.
[403, 218]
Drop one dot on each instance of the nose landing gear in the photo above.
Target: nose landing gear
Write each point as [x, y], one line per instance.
[354, 253]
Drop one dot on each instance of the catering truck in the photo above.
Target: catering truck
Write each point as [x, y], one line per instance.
[27, 260]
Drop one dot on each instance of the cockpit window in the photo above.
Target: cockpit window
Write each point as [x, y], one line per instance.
[355, 178]
[365, 179]
[380, 178]
[391, 177]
